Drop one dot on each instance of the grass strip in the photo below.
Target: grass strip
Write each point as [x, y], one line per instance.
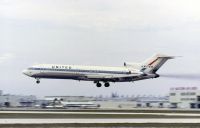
[133, 125]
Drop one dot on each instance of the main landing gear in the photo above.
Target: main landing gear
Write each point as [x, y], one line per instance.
[98, 84]
[106, 84]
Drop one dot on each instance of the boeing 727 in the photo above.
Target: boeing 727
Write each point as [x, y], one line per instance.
[100, 74]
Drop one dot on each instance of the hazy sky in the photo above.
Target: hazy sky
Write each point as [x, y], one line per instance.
[97, 32]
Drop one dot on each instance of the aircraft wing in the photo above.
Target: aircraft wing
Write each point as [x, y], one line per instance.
[119, 78]
[112, 78]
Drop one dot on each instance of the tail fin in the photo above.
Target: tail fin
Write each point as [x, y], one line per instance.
[152, 64]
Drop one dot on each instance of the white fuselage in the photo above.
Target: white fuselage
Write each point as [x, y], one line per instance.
[88, 73]
[97, 74]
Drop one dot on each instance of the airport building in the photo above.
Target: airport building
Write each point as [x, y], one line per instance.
[179, 97]
[184, 97]
[152, 102]
[7, 100]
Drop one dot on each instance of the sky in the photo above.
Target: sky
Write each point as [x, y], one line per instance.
[97, 32]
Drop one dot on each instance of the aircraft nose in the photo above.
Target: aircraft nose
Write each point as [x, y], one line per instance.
[26, 72]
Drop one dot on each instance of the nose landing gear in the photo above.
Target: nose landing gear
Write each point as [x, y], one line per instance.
[37, 80]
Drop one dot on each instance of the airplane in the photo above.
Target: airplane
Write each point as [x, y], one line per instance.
[59, 103]
[83, 104]
[129, 72]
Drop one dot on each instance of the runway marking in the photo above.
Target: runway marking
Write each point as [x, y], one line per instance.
[53, 121]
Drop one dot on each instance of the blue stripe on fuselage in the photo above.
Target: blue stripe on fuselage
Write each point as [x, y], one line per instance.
[81, 71]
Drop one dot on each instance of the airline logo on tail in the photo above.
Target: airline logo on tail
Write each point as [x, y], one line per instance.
[154, 63]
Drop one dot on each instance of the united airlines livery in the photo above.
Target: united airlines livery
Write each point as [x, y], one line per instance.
[100, 74]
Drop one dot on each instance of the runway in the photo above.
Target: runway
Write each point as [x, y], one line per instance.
[62, 121]
[103, 113]
[97, 118]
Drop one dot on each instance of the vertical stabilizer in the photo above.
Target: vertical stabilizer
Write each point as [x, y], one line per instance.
[152, 64]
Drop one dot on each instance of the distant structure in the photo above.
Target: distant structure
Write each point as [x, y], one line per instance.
[1, 92]
[184, 97]
[152, 101]
[178, 97]
[129, 102]
[8, 100]
[69, 98]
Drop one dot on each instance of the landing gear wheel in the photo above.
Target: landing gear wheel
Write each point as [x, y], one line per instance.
[106, 84]
[98, 84]
[37, 81]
